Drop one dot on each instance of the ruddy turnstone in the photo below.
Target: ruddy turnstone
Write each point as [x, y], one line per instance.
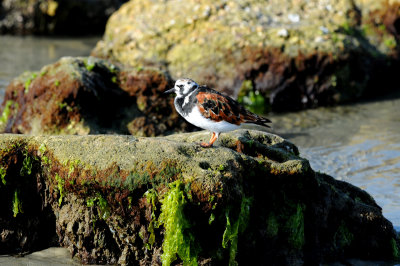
[211, 110]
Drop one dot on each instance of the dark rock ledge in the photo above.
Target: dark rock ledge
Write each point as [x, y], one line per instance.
[127, 200]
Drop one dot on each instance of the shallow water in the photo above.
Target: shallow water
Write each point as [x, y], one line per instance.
[359, 143]
[19, 54]
[52, 256]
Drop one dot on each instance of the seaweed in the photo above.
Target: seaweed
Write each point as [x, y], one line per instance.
[3, 175]
[29, 81]
[151, 196]
[17, 204]
[7, 111]
[26, 168]
[60, 188]
[102, 204]
[178, 238]
[295, 227]
[232, 230]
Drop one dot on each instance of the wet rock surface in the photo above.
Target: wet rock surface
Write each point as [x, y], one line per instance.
[90, 96]
[76, 17]
[120, 199]
[281, 55]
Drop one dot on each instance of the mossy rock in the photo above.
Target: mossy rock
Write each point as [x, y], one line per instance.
[295, 54]
[251, 199]
[87, 95]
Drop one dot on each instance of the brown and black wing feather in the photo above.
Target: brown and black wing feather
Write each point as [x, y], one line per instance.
[218, 107]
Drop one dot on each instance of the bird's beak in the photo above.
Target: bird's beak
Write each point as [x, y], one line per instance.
[169, 91]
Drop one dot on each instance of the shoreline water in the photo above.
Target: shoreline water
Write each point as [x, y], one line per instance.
[357, 143]
[27, 53]
[50, 256]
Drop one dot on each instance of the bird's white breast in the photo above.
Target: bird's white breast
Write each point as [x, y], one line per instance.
[197, 119]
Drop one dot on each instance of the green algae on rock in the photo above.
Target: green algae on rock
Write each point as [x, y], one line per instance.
[295, 54]
[122, 199]
[90, 96]
[234, 228]
[179, 239]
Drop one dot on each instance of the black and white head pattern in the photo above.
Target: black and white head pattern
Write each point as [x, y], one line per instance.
[185, 86]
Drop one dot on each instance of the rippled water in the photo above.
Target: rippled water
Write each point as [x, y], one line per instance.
[358, 143]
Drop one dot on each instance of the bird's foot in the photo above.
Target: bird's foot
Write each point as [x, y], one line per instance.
[206, 145]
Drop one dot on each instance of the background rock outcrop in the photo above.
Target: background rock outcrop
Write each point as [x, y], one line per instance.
[120, 199]
[280, 55]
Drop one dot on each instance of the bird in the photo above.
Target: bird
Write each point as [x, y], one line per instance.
[211, 110]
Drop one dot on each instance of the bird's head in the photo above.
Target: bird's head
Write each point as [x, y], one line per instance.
[183, 87]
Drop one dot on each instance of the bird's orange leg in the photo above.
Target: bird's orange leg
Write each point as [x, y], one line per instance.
[214, 137]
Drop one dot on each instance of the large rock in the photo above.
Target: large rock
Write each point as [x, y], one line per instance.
[120, 199]
[284, 55]
[90, 96]
[72, 17]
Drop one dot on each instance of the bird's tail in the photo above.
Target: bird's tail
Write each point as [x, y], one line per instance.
[258, 120]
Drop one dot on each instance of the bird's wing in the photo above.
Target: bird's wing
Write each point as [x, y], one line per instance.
[217, 107]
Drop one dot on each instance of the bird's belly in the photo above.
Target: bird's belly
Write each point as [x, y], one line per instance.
[198, 120]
